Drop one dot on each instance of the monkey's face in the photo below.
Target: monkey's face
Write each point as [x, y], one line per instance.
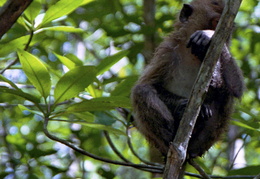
[202, 14]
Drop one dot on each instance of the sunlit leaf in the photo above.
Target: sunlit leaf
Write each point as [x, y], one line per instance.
[73, 82]
[61, 8]
[108, 62]
[74, 59]
[124, 88]
[2, 2]
[67, 62]
[61, 29]
[33, 10]
[11, 46]
[93, 91]
[100, 104]
[36, 72]
[86, 2]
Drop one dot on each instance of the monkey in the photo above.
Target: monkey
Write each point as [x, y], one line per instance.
[161, 94]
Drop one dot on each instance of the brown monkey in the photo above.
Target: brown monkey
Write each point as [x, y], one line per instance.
[161, 94]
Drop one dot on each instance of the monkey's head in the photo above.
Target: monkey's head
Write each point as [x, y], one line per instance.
[201, 14]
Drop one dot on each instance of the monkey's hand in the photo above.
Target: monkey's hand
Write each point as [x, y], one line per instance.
[205, 112]
[199, 43]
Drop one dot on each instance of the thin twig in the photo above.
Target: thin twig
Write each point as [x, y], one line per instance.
[234, 177]
[234, 159]
[199, 169]
[128, 116]
[221, 177]
[147, 168]
[113, 147]
[136, 155]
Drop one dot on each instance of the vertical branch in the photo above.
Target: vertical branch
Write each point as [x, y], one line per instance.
[177, 152]
[149, 20]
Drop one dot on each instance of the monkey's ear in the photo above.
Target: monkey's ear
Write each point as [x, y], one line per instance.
[186, 12]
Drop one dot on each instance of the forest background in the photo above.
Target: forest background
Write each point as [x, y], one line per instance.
[67, 66]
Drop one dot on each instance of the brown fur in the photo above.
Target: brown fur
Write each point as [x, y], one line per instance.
[160, 96]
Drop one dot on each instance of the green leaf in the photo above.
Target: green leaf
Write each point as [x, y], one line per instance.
[94, 91]
[67, 62]
[33, 10]
[104, 127]
[61, 8]
[240, 124]
[86, 2]
[124, 88]
[104, 118]
[6, 48]
[74, 59]
[36, 72]
[2, 2]
[9, 82]
[73, 82]
[250, 170]
[100, 104]
[108, 62]
[20, 93]
[86, 116]
[61, 28]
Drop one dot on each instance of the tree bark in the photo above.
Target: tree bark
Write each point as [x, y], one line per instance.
[177, 152]
[10, 12]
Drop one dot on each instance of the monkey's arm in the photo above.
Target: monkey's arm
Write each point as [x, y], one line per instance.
[230, 72]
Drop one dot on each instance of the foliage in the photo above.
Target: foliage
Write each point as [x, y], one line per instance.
[75, 64]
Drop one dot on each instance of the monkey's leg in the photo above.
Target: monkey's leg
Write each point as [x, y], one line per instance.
[207, 131]
[153, 118]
